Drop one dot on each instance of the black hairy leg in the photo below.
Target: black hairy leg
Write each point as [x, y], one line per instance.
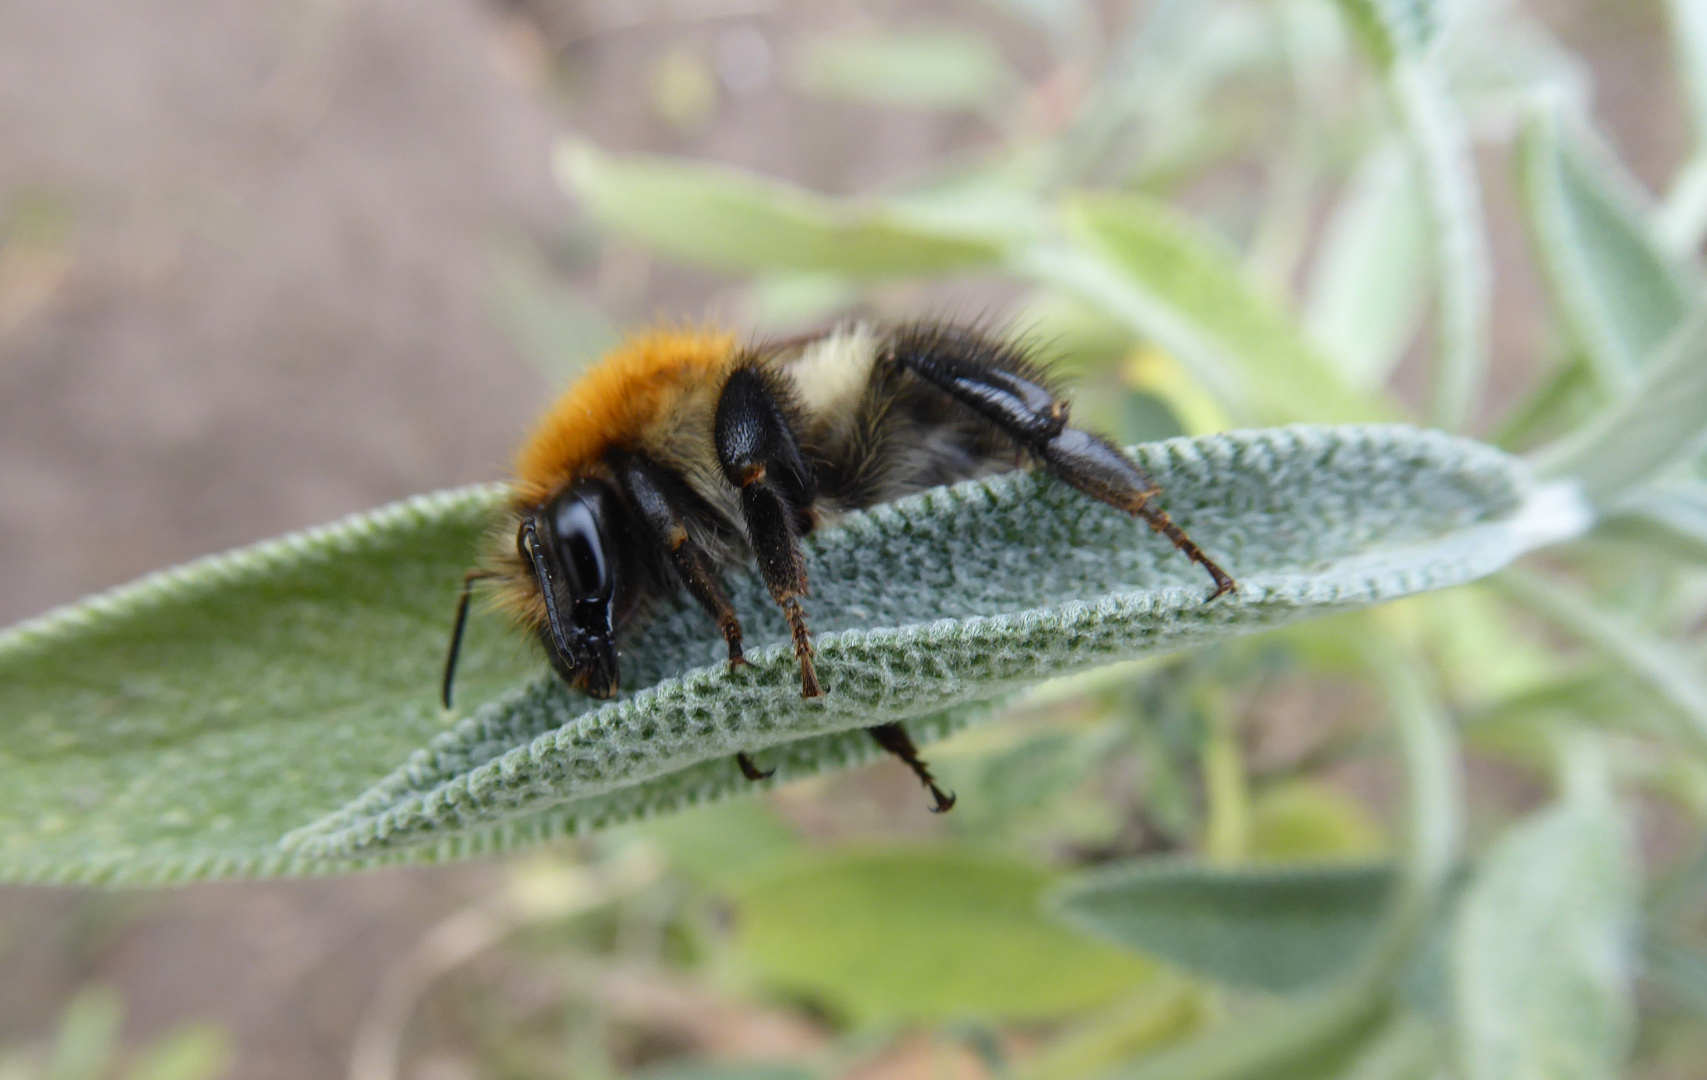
[1099, 470]
[894, 738]
[761, 457]
[661, 515]
[1000, 386]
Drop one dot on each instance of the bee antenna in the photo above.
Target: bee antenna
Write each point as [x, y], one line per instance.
[468, 581]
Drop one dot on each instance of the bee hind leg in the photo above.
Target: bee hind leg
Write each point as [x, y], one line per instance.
[1099, 470]
[996, 383]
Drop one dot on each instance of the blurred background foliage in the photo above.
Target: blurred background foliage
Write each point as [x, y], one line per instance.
[1460, 836]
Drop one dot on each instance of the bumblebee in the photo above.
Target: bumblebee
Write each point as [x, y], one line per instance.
[685, 452]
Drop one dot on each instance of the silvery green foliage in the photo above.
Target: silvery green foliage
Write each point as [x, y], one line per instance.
[934, 608]
[183, 726]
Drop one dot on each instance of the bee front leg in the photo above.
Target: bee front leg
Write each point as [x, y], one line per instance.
[761, 458]
[664, 518]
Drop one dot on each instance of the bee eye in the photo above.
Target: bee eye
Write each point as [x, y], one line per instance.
[576, 526]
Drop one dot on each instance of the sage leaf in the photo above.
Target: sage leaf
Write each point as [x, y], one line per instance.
[181, 727]
[1659, 424]
[1371, 281]
[922, 935]
[920, 70]
[1145, 263]
[720, 217]
[1543, 943]
[1274, 928]
[1617, 292]
[1405, 38]
[933, 609]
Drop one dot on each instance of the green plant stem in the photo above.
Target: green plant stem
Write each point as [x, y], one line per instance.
[1442, 147]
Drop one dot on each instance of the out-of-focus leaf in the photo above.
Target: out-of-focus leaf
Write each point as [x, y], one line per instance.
[1660, 423]
[724, 844]
[1689, 39]
[1443, 151]
[1156, 89]
[1542, 942]
[1657, 664]
[1172, 282]
[88, 1036]
[1306, 821]
[181, 726]
[1372, 279]
[1671, 515]
[553, 325]
[1158, 374]
[784, 303]
[1682, 218]
[1081, 339]
[1164, 1011]
[920, 69]
[1402, 34]
[1567, 399]
[725, 1070]
[1394, 30]
[1480, 647]
[924, 935]
[1273, 928]
[1616, 291]
[1409, 1047]
[1678, 968]
[1499, 71]
[722, 218]
[193, 1052]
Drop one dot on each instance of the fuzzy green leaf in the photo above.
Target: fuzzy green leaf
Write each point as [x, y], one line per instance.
[1543, 944]
[921, 70]
[726, 219]
[1618, 294]
[1174, 282]
[182, 726]
[1371, 282]
[1278, 928]
[1393, 30]
[924, 935]
[1658, 425]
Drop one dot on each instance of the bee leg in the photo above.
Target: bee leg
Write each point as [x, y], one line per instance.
[663, 519]
[1031, 415]
[761, 457]
[1099, 470]
[894, 738]
[751, 771]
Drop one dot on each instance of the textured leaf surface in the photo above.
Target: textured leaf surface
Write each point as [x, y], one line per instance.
[1268, 928]
[182, 726]
[925, 935]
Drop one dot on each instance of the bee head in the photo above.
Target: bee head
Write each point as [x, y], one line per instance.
[568, 544]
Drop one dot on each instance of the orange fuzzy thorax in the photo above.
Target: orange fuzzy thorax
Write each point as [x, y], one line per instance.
[612, 404]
